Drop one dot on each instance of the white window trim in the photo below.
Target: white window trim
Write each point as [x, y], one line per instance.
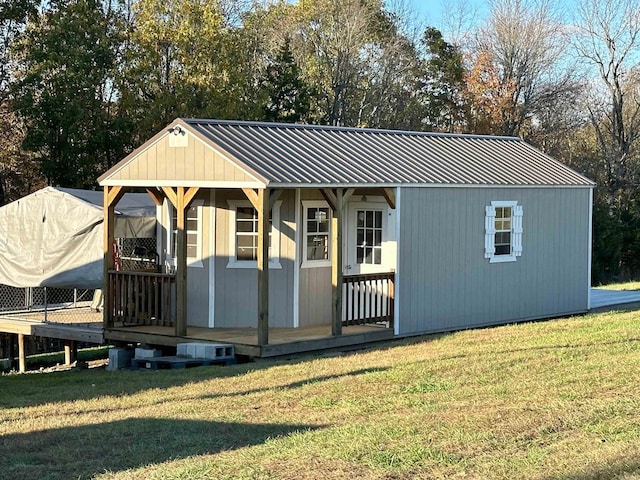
[274, 261]
[171, 257]
[306, 204]
[490, 231]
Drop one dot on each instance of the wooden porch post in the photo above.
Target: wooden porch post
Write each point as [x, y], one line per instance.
[22, 356]
[263, 266]
[180, 199]
[70, 352]
[336, 263]
[181, 266]
[112, 196]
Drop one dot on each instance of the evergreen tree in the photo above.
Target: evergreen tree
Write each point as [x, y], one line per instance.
[288, 94]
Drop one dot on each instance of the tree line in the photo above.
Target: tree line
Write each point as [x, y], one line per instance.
[83, 82]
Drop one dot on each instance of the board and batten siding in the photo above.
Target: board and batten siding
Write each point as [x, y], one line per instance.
[445, 283]
[236, 292]
[195, 162]
[314, 296]
[197, 271]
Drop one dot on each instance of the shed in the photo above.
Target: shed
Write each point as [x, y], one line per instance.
[274, 231]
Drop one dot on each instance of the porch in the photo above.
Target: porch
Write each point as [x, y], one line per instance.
[142, 309]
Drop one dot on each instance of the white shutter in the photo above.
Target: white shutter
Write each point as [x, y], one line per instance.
[517, 230]
[490, 231]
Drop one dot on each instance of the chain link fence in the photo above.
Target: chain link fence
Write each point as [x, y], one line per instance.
[77, 306]
[47, 304]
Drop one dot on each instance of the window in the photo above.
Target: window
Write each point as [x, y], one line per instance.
[193, 226]
[369, 237]
[243, 228]
[503, 231]
[317, 234]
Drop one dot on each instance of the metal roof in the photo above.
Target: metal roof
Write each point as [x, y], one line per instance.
[300, 155]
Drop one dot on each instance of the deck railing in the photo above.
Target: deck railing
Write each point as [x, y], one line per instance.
[141, 298]
[368, 298]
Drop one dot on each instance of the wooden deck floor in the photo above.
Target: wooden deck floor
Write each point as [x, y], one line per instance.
[80, 325]
[85, 325]
[282, 341]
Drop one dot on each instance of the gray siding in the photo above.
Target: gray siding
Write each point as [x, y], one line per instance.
[236, 297]
[445, 283]
[315, 282]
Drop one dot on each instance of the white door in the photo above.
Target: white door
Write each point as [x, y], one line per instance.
[367, 238]
[369, 250]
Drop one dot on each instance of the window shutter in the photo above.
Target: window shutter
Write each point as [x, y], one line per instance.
[517, 230]
[490, 231]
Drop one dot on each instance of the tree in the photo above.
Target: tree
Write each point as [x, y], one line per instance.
[488, 95]
[442, 85]
[65, 91]
[186, 58]
[288, 95]
[525, 42]
[15, 166]
[608, 39]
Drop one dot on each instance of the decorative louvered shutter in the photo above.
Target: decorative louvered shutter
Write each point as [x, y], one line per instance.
[517, 230]
[490, 231]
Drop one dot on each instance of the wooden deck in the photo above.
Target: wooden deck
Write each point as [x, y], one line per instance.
[80, 325]
[282, 341]
[84, 325]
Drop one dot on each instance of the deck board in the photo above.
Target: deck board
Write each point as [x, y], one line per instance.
[282, 341]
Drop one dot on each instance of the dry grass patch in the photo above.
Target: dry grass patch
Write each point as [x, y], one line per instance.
[547, 400]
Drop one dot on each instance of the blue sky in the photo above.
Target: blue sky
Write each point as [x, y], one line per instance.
[433, 11]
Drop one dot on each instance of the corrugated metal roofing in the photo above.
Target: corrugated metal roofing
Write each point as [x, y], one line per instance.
[299, 155]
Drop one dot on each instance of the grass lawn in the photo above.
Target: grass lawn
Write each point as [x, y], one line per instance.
[547, 400]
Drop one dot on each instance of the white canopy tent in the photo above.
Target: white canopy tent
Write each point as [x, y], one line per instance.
[54, 237]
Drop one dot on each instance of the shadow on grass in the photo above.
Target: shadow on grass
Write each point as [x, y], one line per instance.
[85, 451]
[21, 391]
[300, 383]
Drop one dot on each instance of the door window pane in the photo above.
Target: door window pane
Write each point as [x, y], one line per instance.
[369, 237]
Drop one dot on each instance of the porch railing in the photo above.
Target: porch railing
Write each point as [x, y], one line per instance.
[141, 298]
[368, 298]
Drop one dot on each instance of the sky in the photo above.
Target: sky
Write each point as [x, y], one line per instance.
[434, 11]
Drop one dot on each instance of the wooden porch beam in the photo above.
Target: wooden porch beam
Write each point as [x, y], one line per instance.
[114, 195]
[330, 197]
[274, 196]
[172, 195]
[390, 196]
[347, 195]
[263, 266]
[252, 195]
[336, 263]
[189, 195]
[157, 196]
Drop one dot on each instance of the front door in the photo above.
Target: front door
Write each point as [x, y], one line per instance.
[367, 239]
[370, 250]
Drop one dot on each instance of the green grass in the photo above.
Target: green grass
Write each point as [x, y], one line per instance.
[548, 400]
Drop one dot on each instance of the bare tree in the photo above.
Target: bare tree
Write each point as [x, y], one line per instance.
[608, 39]
[526, 41]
